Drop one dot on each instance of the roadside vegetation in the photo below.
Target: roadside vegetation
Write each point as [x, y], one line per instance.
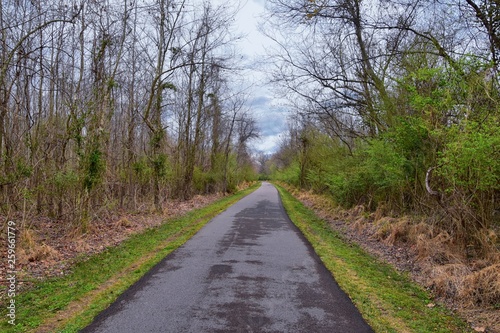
[70, 302]
[387, 299]
[396, 116]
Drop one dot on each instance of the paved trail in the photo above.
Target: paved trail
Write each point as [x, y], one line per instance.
[248, 270]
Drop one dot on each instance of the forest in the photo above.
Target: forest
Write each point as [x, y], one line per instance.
[393, 105]
[397, 104]
[108, 104]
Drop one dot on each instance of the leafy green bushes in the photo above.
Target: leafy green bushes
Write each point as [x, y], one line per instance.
[289, 174]
[469, 169]
[471, 160]
[448, 123]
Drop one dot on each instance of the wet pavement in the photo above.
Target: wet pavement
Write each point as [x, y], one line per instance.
[247, 270]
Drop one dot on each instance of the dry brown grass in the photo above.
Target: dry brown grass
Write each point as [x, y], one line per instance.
[384, 227]
[380, 213]
[447, 280]
[465, 277]
[27, 238]
[482, 287]
[399, 231]
[360, 223]
[438, 250]
[448, 269]
[123, 222]
[32, 250]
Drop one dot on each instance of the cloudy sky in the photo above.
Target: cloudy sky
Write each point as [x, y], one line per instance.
[270, 116]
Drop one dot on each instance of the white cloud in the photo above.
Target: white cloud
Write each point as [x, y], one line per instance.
[270, 119]
[268, 144]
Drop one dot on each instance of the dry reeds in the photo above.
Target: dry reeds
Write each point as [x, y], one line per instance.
[31, 250]
[482, 287]
[449, 269]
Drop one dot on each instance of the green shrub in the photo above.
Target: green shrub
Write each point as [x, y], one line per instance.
[470, 171]
[472, 160]
[289, 174]
[65, 179]
[93, 169]
[142, 170]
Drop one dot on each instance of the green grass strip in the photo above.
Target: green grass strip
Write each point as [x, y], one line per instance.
[388, 300]
[69, 303]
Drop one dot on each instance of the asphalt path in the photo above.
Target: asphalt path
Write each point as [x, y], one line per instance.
[248, 270]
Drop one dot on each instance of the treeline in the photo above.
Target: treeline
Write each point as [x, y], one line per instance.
[397, 107]
[118, 103]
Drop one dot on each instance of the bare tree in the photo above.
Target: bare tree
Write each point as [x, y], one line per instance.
[106, 102]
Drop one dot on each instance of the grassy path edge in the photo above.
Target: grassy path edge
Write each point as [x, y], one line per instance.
[388, 300]
[69, 303]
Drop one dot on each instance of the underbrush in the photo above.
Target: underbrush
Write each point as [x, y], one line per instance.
[466, 278]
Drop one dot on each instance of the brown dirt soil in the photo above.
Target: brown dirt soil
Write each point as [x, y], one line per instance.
[468, 285]
[49, 247]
